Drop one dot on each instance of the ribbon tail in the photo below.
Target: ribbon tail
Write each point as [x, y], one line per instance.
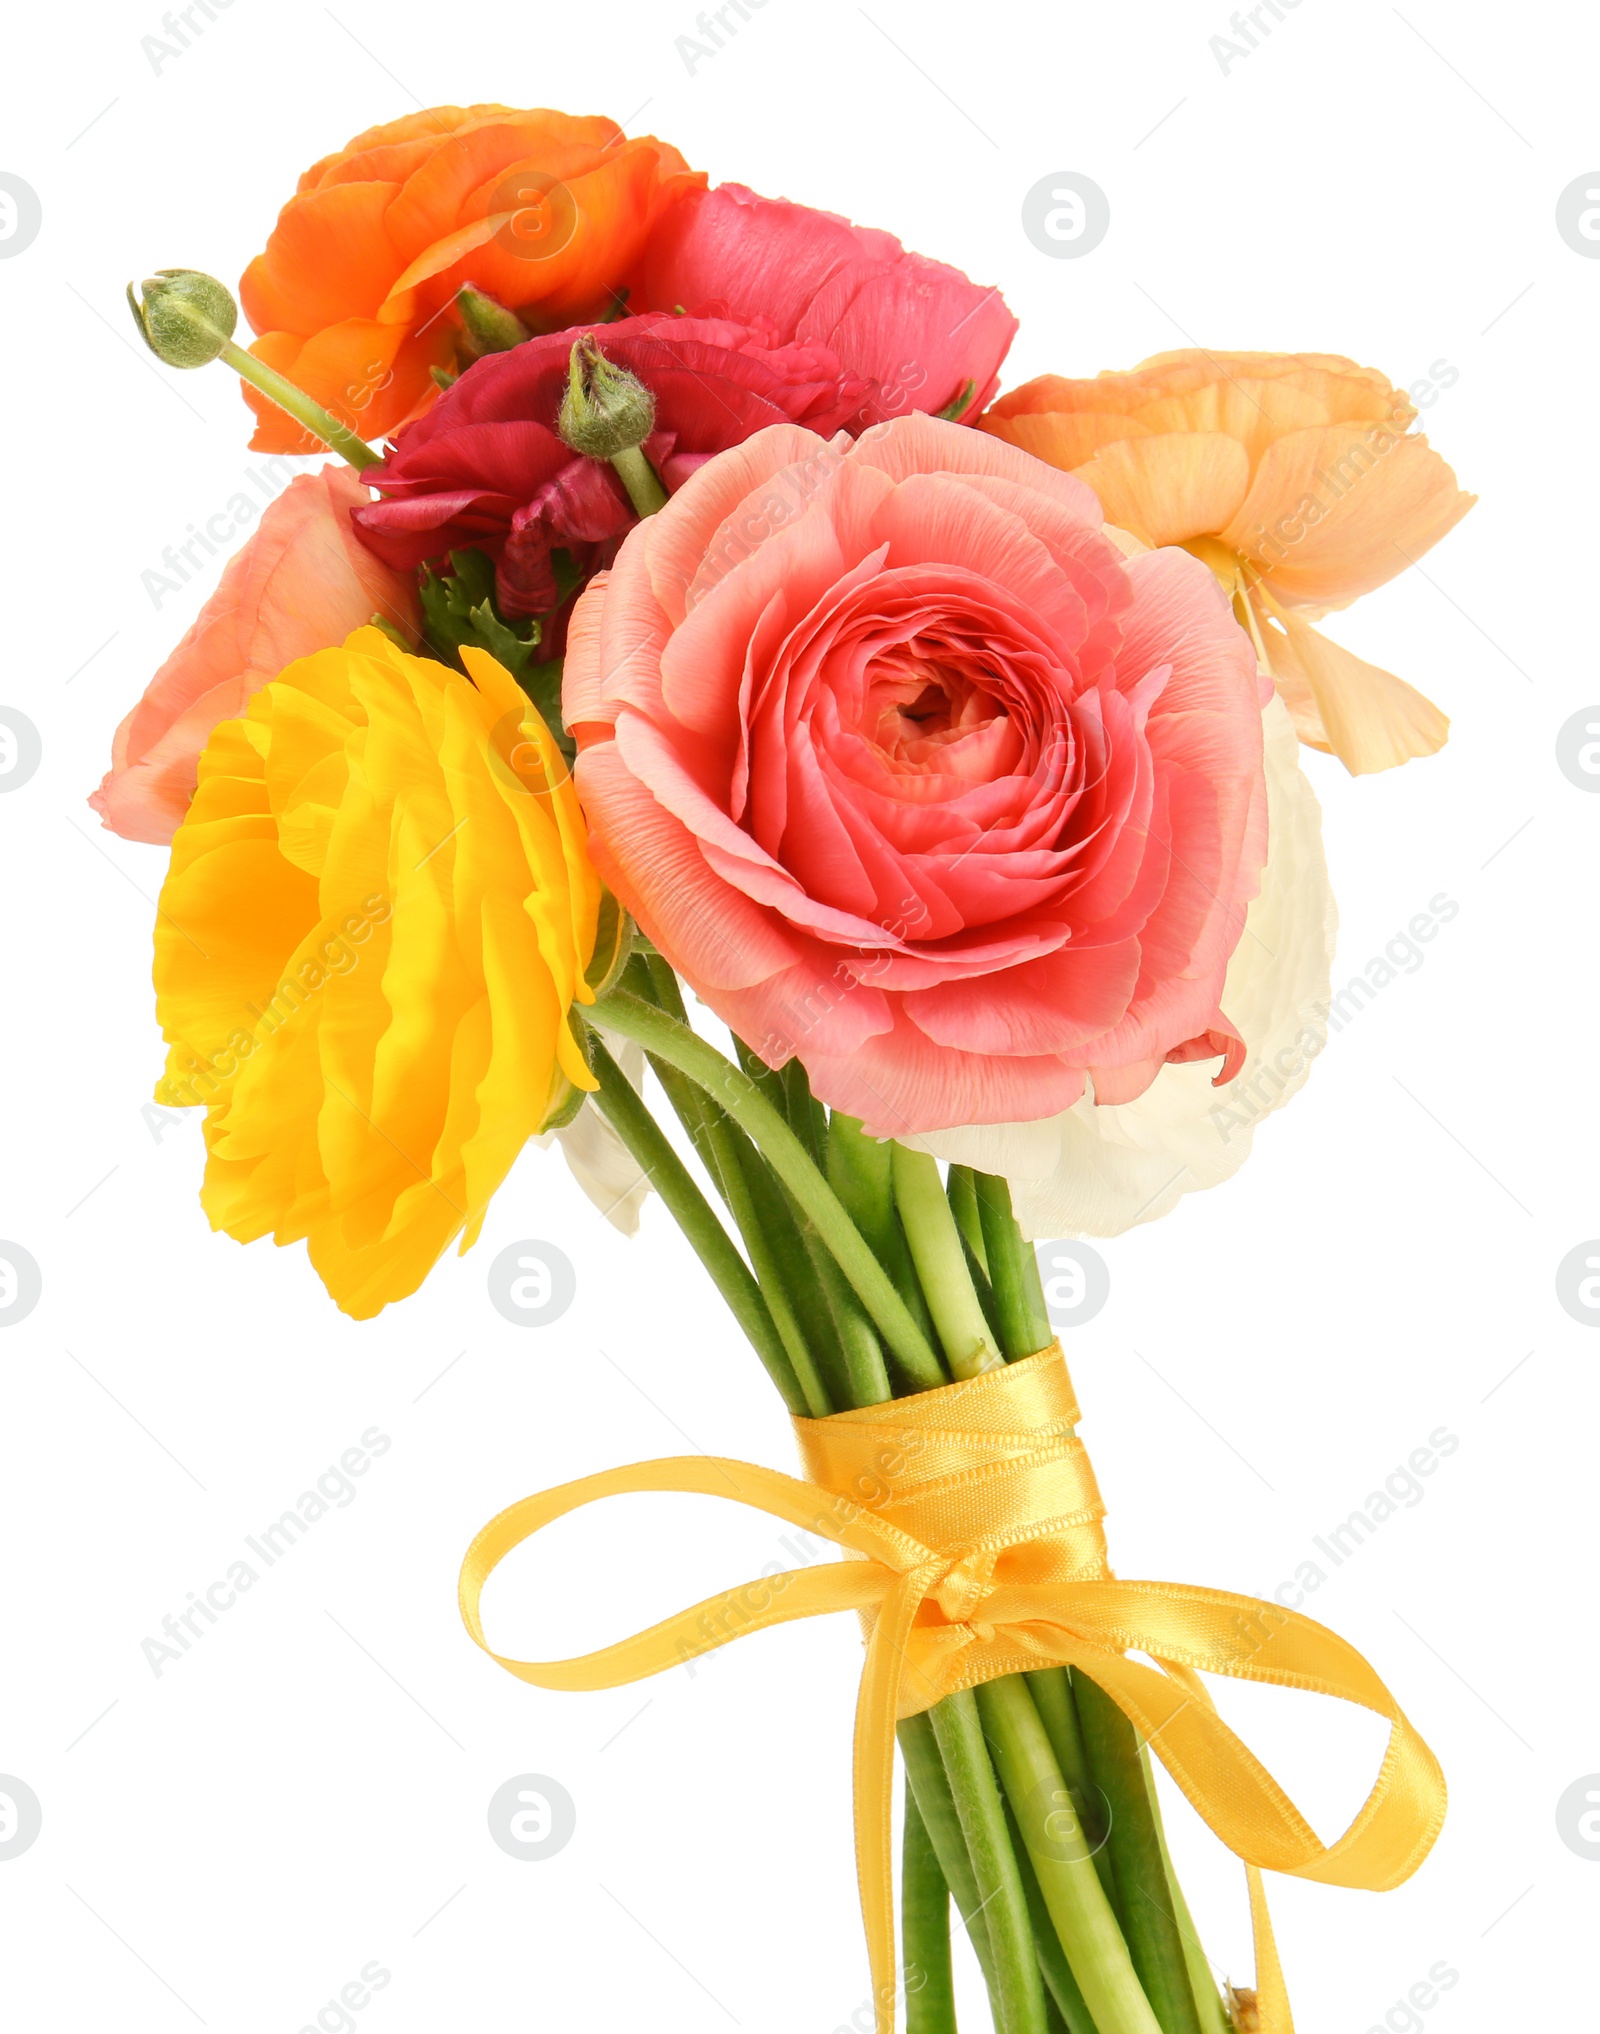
[877, 1707]
[1272, 1995]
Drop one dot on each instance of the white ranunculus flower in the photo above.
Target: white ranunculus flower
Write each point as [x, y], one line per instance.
[1097, 1171]
[596, 1156]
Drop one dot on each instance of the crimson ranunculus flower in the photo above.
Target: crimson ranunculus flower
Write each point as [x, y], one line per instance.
[485, 468]
[918, 328]
[909, 771]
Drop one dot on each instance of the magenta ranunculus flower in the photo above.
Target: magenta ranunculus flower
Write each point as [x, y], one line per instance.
[485, 469]
[908, 770]
[918, 328]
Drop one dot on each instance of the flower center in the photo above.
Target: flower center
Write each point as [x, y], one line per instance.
[1227, 565]
[917, 705]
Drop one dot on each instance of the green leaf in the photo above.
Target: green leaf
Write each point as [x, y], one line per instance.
[459, 612]
[542, 683]
[613, 942]
[957, 404]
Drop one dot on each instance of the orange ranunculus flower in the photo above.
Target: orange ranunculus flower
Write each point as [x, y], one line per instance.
[1297, 478]
[544, 211]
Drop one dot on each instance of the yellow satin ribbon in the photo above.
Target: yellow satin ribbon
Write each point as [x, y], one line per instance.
[977, 1517]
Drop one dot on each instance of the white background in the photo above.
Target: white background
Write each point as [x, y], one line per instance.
[305, 1791]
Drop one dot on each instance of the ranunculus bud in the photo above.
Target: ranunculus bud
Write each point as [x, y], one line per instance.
[186, 318]
[490, 326]
[606, 410]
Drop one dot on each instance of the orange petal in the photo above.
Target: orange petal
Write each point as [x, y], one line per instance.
[1110, 394]
[439, 197]
[1186, 484]
[328, 258]
[1332, 513]
[391, 163]
[576, 239]
[1370, 719]
[1064, 438]
[1259, 410]
[433, 124]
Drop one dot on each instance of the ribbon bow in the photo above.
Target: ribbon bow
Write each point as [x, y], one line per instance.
[978, 1517]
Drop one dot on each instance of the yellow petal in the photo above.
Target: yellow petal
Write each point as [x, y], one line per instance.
[1367, 717]
[372, 933]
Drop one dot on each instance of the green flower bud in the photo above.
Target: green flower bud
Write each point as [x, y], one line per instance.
[606, 410]
[186, 318]
[490, 326]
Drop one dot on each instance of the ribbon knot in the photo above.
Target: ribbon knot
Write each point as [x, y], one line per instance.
[975, 1516]
[965, 1587]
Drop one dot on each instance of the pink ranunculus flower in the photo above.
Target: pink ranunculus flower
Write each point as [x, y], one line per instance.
[908, 770]
[300, 584]
[486, 469]
[918, 328]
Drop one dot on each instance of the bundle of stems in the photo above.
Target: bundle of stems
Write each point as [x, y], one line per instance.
[863, 1276]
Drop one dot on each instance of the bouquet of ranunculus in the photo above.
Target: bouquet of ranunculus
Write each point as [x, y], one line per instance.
[707, 637]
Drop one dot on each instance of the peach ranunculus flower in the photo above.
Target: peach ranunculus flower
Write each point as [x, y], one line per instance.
[547, 212]
[301, 583]
[1297, 478]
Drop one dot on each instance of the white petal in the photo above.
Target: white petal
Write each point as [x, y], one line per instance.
[596, 1156]
[1098, 1171]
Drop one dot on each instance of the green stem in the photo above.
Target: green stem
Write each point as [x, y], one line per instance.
[983, 1291]
[753, 1197]
[802, 1109]
[866, 1378]
[1016, 1990]
[961, 1191]
[639, 478]
[304, 409]
[929, 1986]
[739, 1166]
[1143, 1897]
[693, 1213]
[1214, 2018]
[930, 1784]
[1062, 1986]
[1084, 1921]
[738, 1094]
[941, 1264]
[861, 1172]
[768, 1080]
[1024, 1324]
[1052, 1697]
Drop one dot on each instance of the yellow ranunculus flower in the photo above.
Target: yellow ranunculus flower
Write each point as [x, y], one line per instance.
[379, 912]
